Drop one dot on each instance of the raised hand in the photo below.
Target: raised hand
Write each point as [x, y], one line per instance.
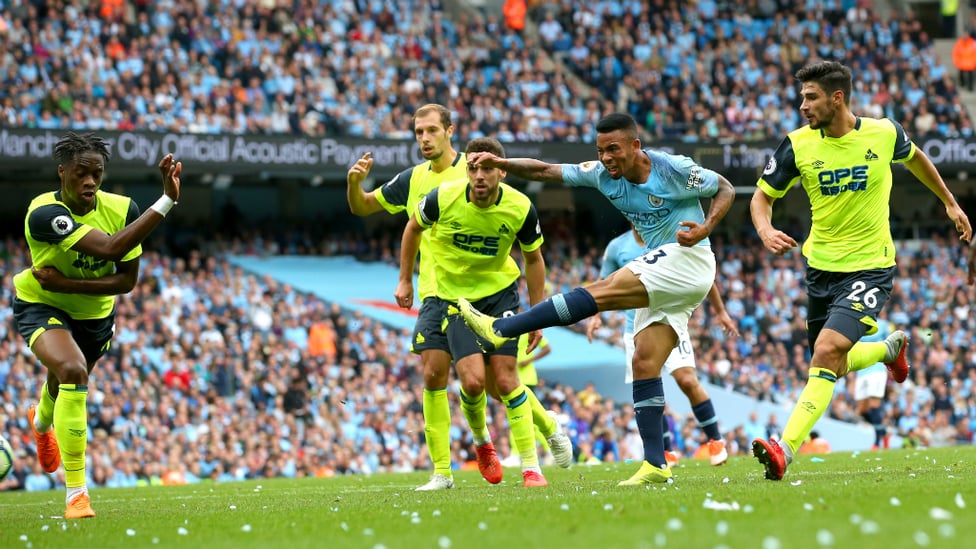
[358, 171]
[171, 170]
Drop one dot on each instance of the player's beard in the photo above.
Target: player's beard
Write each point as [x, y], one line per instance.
[434, 154]
[824, 121]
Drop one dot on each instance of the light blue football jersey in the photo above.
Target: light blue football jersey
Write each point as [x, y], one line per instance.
[671, 194]
[621, 251]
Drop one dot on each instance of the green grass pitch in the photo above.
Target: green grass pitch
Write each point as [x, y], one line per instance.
[891, 499]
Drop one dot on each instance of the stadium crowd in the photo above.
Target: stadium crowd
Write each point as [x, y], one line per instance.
[691, 71]
[219, 374]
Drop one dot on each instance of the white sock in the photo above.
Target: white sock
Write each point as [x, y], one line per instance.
[535, 468]
[478, 441]
[787, 452]
[75, 492]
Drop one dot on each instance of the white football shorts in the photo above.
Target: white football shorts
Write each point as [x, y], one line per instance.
[870, 382]
[682, 356]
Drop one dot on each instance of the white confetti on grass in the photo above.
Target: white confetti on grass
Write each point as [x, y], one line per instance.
[825, 538]
[960, 503]
[564, 507]
[808, 507]
[947, 530]
[938, 513]
[182, 531]
[674, 524]
[444, 542]
[608, 507]
[482, 526]
[895, 502]
[233, 507]
[796, 483]
[130, 532]
[246, 528]
[855, 518]
[721, 528]
[921, 539]
[870, 527]
[770, 542]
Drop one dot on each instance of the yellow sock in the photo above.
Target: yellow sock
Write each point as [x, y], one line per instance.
[519, 421]
[474, 411]
[45, 408]
[811, 405]
[542, 420]
[864, 354]
[540, 438]
[437, 429]
[71, 430]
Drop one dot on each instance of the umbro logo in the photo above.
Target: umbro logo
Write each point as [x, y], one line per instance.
[870, 155]
[455, 225]
[504, 229]
[78, 432]
[817, 164]
[54, 322]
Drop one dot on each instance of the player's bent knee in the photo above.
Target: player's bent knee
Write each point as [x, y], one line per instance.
[71, 371]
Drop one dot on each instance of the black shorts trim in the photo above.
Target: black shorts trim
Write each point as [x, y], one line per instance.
[93, 336]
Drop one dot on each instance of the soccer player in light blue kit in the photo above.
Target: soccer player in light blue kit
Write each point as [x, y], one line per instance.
[681, 362]
[660, 194]
[869, 389]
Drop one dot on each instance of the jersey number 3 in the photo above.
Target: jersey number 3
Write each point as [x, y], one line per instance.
[653, 259]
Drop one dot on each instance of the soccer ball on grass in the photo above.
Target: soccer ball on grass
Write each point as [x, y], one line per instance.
[6, 458]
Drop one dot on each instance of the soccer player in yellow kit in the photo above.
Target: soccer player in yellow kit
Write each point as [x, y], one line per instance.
[433, 130]
[843, 162]
[85, 245]
[473, 226]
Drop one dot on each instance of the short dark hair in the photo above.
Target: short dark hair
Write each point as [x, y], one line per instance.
[617, 121]
[72, 145]
[829, 75]
[485, 144]
[441, 110]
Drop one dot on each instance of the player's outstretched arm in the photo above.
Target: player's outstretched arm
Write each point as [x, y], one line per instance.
[122, 281]
[526, 168]
[361, 203]
[409, 246]
[114, 247]
[761, 208]
[922, 167]
[715, 299]
[535, 280]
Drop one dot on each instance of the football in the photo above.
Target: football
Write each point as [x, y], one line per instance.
[6, 458]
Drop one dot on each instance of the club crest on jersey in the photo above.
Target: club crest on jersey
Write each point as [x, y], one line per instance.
[504, 229]
[62, 224]
[588, 166]
[770, 166]
[655, 201]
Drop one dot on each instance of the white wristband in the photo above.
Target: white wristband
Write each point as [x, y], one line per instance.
[163, 205]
